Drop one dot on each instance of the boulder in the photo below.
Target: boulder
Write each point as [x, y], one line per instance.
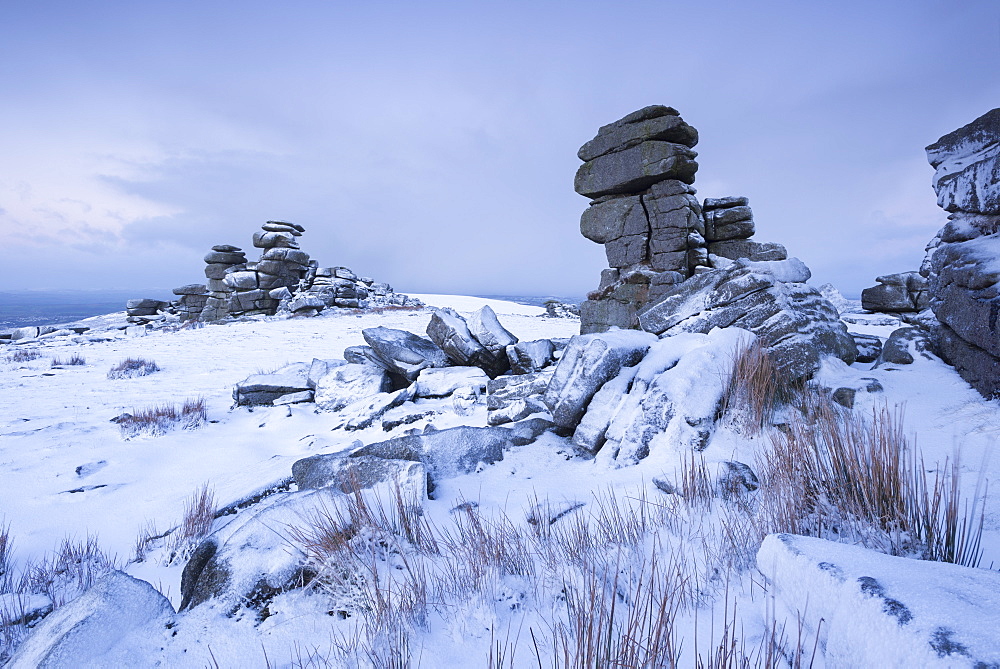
[793, 322]
[241, 280]
[655, 122]
[869, 347]
[95, 628]
[350, 474]
[363, 413]
[345, 384]
[902, 345]
[869, 609]
[439, 382]
[267, 240]
[588, 362]
[450, 332]
[485, 327]
[636, 168]
[670, 400]
[445, 453]
[225, 258]
[897, 293]
[261, 389]
[530, 356]
[403, 352]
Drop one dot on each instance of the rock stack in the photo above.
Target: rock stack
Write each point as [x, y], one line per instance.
[905, 292]
[729, 227]
[221, 260]
[963, 267]
[638, 173]
[141, 311]
[192, 301]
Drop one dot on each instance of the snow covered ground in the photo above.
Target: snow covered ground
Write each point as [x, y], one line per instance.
[66, 470]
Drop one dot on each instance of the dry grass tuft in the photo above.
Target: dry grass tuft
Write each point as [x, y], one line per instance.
[132, 367]
[755, 390]
[73, 360]
[24, 355]
[158, 420]
[199, 515]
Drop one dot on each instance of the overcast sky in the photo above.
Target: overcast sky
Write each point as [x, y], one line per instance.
[433, 144]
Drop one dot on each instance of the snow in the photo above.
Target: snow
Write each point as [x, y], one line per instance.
[56, 436]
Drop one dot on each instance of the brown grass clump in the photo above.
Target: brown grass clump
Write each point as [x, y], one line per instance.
[133, 367]
[755, 390]
[158, 420]
[73, 360]
[24, 355]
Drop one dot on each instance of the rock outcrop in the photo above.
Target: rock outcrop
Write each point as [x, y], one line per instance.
[792, 321]
[963, 264]
[638, 172]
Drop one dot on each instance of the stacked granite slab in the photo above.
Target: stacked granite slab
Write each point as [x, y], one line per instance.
[963, 265]
[638, 173]
[191, 301]
[221, 261]
[728, 228]
[141, 311]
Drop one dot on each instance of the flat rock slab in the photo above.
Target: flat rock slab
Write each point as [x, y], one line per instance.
[403, 352]
[882, 611]
[636, 168]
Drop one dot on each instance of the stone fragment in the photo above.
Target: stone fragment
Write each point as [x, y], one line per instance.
[191, 289]
[227, 248]
[869, 347]
[897, 293]
[224, 258]
[267, 240]
[745, 248]
[351, 474]
[901, 346]
[259, 389]
[485, 327]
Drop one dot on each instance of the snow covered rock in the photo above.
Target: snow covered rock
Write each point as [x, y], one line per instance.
[869, 347]
[516, 395]
[363, 413]
[350, 474]
[530, 356]
[902, 345]
[793, 322]
[402, 352]
[588, 362]
[669, 400]
[897, 293]
[439, 382]
[448, 329]
[262, 389]
[874, 610]
[346, 384]
[487, 330]
[963, 260]
[87, 631]
[444, 453]
[251, 559]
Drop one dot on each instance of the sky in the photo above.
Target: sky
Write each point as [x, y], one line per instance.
[433, 144]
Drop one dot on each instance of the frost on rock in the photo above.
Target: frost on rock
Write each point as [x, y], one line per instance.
[672, 400]
[433, 382]
[486, 328]
[449, 330]
[402, 352]
[794, 324]
[346, 384]
[259, 389]
[882, 611]
[588, 362]
[93, 629]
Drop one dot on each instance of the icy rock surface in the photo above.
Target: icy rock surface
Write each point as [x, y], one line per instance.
[669, 400]
[265, 388]
[588, 362]
[511, 398]
[86, 631]
[349, 474]
[402, 352]
[793, 322]
[346, 384]
[883, 611]
[530, 356]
